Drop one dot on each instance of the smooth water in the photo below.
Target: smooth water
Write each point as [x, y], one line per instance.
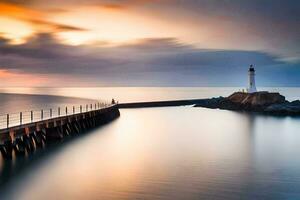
[137, 94]
[167, 153]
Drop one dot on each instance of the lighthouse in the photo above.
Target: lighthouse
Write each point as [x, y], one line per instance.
[251, 83]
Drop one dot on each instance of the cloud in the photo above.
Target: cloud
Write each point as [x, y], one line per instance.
[110, 6]
[262, 25]
[214, 43]
[56, 27]
[35, 17]
[266, 25]
[43, 46]
[21, 2]
[108, 3]
[147, 62]
[161, 45]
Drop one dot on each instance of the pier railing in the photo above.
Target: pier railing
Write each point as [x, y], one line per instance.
[26, 117]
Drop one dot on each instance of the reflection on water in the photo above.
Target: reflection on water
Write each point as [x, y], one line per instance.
[171, 153]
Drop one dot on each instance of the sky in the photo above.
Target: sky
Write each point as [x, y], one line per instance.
[149, 42]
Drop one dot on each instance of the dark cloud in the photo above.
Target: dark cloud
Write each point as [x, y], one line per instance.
[155, 44]
[218, 59]
[43, 53]
[114, 4]
[55, 26]
[3, 41]
[43, 46]
[275, 23]
[152, 62]
[21, 2]
[268, 25]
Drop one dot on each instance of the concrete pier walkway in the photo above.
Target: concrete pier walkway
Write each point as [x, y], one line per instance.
[159, 103]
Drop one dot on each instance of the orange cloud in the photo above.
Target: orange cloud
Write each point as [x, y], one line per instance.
[144, 1]
[32, 16]
[121, 5]
[54, 26]
[113, 6]
[18, 22]
[17, 11]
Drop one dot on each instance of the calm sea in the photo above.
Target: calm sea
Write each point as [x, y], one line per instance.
[158, 153]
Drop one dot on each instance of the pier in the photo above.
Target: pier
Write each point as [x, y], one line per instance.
[160, 103]
[23, 132]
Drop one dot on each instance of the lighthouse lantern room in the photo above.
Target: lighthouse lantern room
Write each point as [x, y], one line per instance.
[251, 83]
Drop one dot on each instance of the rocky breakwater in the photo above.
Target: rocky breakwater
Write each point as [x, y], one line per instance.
[263, 102]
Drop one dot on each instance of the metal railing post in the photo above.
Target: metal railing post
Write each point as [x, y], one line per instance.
[42, 114]
[66, 110]
[91, 107]
[31, 116]
[58, 111]
[50, 112]
[80, 108]
[7, 120]
[73, 109]
[21, 118]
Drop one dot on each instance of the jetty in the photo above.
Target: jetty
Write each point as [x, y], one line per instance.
[148, 104]
[21, 133]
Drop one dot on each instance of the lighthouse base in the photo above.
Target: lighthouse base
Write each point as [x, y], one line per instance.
[251, 90]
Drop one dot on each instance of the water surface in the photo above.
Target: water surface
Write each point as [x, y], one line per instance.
[166, 154]
[136, 94]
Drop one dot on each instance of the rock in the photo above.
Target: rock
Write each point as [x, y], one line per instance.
[295, 103]
[264, 102]
[257, 100]
[287, 108]
[220, 102]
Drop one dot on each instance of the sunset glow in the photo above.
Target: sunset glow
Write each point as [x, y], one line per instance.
[149, 99]
[154, 38]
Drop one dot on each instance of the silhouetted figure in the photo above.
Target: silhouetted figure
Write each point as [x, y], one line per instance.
[113, 101]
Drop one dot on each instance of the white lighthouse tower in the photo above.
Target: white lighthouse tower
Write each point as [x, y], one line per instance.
[251, 84]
